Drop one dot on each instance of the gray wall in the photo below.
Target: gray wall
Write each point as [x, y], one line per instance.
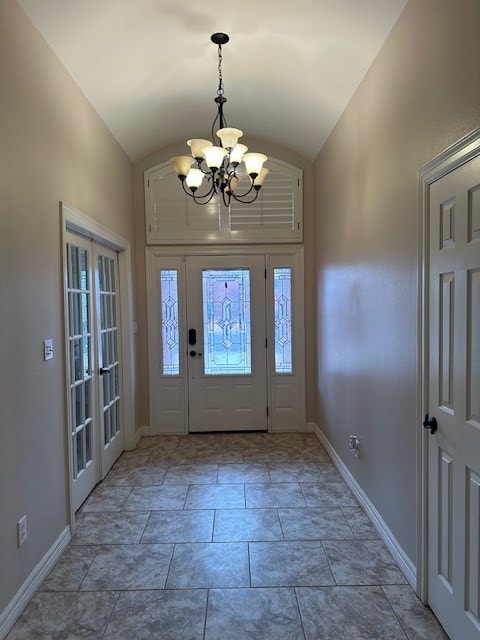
[421, 94]
[53, 147]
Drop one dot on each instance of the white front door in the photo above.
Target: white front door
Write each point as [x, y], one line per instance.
[227, 343]
[93, 367]
[454, 400]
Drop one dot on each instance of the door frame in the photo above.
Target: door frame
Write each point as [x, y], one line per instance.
[153, 255]
[447, 161]
[77, 222]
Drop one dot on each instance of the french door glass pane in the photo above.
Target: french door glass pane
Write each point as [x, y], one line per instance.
[282, 288]
[169, 320]
[226, 321]
[73, 280]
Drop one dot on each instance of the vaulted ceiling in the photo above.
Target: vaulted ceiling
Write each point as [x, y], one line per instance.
[150, 70]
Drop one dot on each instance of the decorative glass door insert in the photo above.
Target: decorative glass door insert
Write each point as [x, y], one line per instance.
[226, 343]
[226, 322]
[282, 294]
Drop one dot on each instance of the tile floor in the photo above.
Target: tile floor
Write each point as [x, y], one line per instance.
[225, 536]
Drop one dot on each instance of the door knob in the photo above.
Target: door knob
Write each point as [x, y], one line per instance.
[430, 424]
[103, 370]
[193, 353]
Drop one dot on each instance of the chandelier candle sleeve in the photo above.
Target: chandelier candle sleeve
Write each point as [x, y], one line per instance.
[219, 161]
[229, 136]
[181, 164]
[237, 153]
[197, 145]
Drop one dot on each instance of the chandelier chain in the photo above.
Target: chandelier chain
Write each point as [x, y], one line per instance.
[221, 88]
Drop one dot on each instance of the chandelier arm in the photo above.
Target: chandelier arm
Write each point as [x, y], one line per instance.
[199, 199]
[241, 196]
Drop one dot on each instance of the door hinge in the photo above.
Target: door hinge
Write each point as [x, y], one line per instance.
[265, 274]
[267, 412]
[148, 183]
[266, 343]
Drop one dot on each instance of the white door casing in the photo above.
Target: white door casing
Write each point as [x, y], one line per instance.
[450, 192]
[168, 333]
[79, 227]
[227, 387]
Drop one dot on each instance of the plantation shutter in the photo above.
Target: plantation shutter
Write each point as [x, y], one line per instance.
[276, 214]
[174, 218]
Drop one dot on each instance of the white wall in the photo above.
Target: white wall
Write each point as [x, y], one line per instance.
[421, 94]
[53, 147]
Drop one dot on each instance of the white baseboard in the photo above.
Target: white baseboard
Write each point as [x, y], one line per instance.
[144, 431]
[12, 611]
[132, 443]
[404, 562]
[310, 427]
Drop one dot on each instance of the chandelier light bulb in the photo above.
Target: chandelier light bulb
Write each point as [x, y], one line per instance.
[254, 163]
[197, 145]
[229, 136]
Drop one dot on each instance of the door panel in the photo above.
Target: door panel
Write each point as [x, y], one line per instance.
[80, 329]
[93, 363]
[227, 350]
[108, 357]
[454, 392]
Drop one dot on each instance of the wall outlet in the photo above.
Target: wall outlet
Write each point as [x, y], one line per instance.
[354, 444]
[22, 530]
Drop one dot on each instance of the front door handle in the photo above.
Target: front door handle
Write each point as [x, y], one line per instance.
[430, 424]
[193, 353]
[192, 337]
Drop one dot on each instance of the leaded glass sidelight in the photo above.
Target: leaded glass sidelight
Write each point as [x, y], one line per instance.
[169, 320]
[282, 295]
[226, 321]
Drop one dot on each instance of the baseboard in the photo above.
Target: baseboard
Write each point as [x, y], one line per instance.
[404, 562]
[12, 611]
[144, 431]
[310, 427]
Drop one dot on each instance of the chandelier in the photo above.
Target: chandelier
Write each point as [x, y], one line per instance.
[218, 162]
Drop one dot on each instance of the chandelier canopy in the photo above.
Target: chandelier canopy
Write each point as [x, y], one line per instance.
[219, 161]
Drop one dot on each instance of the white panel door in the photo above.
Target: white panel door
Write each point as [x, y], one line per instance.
[454, 400]
[227, 343]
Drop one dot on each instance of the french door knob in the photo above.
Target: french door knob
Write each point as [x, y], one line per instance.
[103, 370]
[430, 424]
[193, 353]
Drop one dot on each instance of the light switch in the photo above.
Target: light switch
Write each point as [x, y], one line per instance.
[48, 349]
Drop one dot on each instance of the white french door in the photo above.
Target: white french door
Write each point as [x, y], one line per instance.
[227, 357]
[454, 401]
[108, 341]
[93, 367]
